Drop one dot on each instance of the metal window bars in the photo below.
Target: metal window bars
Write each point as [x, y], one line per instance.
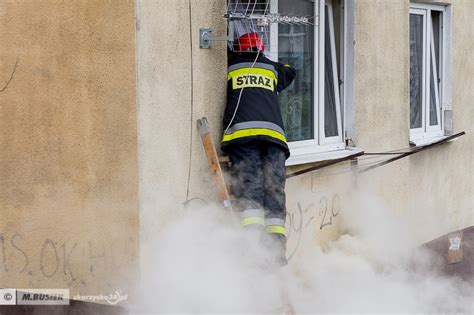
[252, 16]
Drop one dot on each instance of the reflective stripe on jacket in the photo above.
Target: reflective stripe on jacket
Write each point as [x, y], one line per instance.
[258, 115]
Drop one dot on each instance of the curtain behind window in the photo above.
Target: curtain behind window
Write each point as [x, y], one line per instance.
[296, 48]
[416, 70]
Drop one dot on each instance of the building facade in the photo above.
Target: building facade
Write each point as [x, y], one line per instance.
[99, 141]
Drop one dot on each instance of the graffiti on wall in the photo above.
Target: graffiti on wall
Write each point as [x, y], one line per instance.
[74, 260]
[306, 217]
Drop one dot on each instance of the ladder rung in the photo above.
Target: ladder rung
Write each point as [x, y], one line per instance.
[224, 159]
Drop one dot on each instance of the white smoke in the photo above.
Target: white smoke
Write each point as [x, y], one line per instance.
[203, 262]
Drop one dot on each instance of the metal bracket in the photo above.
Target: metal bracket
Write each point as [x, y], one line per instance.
[206, 37]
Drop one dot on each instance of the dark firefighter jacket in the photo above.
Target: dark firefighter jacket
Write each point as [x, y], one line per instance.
[258, 115]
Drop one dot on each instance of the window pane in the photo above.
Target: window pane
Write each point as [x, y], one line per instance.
[435, 69]
[416, 70]
[433, 101]
[436, 19]
[330, 116]
[296, 47]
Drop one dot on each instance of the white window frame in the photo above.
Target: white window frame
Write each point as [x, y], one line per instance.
[320, 143]
[427, 132]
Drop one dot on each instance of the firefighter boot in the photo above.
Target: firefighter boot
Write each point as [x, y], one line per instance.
[280, 250]
[276, 243]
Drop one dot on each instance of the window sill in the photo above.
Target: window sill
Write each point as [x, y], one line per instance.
[426, 141]
[322, 156]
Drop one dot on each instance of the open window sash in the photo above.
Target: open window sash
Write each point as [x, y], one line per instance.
[330, 122]
[417, 124]
[433, 122]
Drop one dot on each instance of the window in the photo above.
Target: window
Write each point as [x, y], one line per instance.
[427, 69]
[317, 109]
[311, 107]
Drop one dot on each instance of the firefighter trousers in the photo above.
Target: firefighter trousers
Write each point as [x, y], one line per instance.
[259, 174]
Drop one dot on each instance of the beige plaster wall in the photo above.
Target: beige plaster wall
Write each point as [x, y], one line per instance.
[382, 92]
[68, 156]
[177, 83]
[432, 188]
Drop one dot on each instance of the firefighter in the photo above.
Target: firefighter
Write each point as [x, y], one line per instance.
[254, 139]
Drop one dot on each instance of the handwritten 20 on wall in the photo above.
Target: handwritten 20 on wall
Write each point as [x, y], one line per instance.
[322, 213]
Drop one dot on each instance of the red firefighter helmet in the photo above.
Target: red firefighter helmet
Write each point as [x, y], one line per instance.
[249, 41]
